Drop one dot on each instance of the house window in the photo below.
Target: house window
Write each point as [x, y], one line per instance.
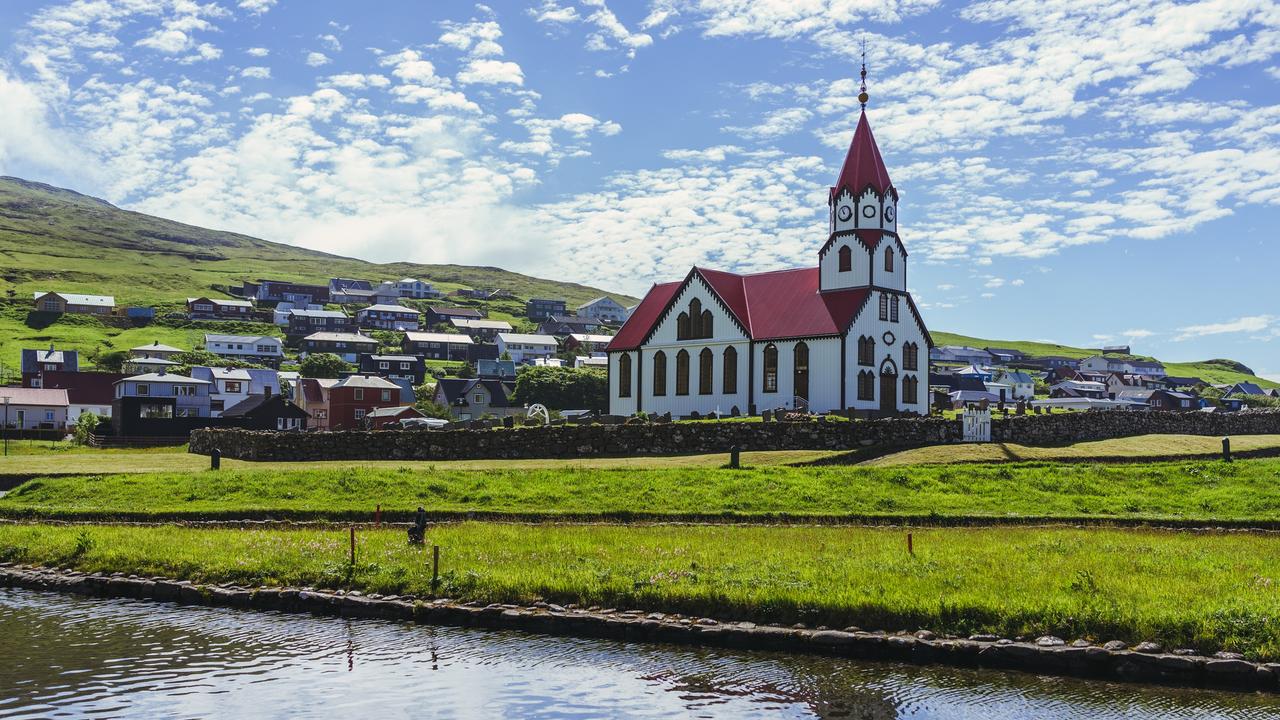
[155, 412]
[183, 412]
[893, 309]
[359, 394]
[478, 398]
[866, 351]
[383, 365]
[404, 366]
[266, 349]
[184, 390]
[682, 372]
[51, 306]
[360, 413]
[144, 389]
[705, 363]
[846, 258]
[770, 368]
[233, 387]
[320, 414]
[659, 373]
[910, 389]
[48, 416]
[884, 306]
[216, 405]
[866, 385]
[888, 259]
[910, 356]
[205, 307]
[730, 370]
[386, 396]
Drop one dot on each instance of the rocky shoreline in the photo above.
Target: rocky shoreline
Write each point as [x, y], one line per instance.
[1145, 662]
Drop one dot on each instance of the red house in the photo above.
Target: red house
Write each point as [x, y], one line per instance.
[353, 398]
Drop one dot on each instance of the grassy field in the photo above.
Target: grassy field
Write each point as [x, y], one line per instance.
[1131, 447]
[1198, 492]
[1211, 591]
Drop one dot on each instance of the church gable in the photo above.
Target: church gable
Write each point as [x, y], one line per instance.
[696, 312]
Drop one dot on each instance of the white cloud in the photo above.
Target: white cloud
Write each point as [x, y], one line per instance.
[1252, 323]
[1137, 333]
[258, 52]
[331, 42]
[257, 7]
[491, 72]
[256, 71]
[607, 33]
[316, 59]
[775, 124]
[166, 41]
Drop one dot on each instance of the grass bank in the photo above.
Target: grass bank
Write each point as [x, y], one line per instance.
[1143, 446]
[1201, 492]
[1207, 591]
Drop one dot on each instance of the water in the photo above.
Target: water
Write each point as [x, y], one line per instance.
[65, 656]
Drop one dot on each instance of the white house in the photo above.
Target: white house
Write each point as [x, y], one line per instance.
[246, 347]
[1125, 366]
[155, 350]
[842, 335]
[525, 348]
[605, 309]
[34, 408]
[417, 289]
[229, 386]
[1021, 386]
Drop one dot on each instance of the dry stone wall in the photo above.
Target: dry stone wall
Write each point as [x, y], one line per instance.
[574, 441]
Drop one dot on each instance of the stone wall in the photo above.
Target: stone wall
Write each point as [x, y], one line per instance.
[572, 441]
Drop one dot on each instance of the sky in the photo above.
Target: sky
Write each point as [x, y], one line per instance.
[1090, 172]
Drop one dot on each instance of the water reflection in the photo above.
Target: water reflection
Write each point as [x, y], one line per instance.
[68, 656]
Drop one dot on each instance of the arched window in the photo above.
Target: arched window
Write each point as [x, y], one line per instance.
[624, 375]
[910, 356]
[893, 309]
[706, 324]
[682, 372]
[659, 373]
[866, 351]
[695, 319]
[682, 326]
[866, 385]
[846, 258]
[884, 306]
[800, 371]
[770, 368]
[909, 389]
[730, 370]
[888, 259]
[705, 362]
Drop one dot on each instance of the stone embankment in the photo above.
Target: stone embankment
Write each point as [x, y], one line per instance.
[1145, 662]
[574, 441]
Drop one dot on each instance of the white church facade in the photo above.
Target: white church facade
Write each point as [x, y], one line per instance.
[844, 335]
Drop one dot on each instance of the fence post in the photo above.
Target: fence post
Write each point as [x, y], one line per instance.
[910, 547]
[1226, 448]
[215, 459]
[353, 545]
[435, 568]
[377, 516]
[735, 458]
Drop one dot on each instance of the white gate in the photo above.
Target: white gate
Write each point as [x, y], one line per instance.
[977, 423]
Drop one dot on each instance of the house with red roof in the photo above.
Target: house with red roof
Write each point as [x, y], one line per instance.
[842, 335]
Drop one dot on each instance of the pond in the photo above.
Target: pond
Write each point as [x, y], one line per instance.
[70, 656]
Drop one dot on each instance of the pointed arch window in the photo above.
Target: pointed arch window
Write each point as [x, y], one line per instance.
[695, 319]
[624, 375]
[866, 385]
[659, 373]
[888, 259]
[866, 351]
[706, 361]
[706, 324]
[770, 368]
[884, 306]
[730, 375]
[910, 389]
[800, 371]
[846, 258]
[682, 326]
[682, 372]
[893, 309]
[910, 356]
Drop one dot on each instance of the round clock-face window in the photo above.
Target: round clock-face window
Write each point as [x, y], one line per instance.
[844, 213]
[868, 211]
[888, 213]
[888, 338]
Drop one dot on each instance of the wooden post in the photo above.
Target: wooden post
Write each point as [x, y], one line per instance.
[910, 549]
[353, 544]
[1226, 449]
[435, 568]
[377, 516]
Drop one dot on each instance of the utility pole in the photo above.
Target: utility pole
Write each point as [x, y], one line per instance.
[6, 425]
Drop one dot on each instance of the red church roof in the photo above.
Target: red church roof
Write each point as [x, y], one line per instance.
[770, 305]
[863, 165]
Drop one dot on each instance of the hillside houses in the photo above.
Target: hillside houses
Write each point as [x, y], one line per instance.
[63, 302]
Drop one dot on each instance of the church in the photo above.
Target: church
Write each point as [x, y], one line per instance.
[842, 335]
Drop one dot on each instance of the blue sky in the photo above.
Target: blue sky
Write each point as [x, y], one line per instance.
[1082, 172]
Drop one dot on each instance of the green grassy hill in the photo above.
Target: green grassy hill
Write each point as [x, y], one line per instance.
[1215, 371]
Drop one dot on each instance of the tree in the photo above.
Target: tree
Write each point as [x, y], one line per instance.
[432, 409]
[85, 425]
[323, 365]
[204, 358]
[563, 388]
[111, 361]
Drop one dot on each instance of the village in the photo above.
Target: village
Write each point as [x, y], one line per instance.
[396, 348]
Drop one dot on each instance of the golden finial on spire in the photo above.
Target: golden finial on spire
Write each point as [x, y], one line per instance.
[862, 95]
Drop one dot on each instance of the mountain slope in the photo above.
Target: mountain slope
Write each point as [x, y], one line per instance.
[55, 238]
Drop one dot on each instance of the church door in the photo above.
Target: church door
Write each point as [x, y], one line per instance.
[888, 390]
